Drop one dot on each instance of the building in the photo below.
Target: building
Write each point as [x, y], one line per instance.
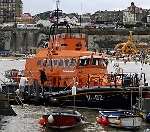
[44, 23]
[101, 17]
[44, 15]
[148, 18]
[133, 15]
[85, 20]
[72, 20]
[25, 18]
[9, 10]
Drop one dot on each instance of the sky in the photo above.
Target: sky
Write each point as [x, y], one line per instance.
[81, 6]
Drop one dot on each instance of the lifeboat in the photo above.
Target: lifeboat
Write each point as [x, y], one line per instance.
[66, 57]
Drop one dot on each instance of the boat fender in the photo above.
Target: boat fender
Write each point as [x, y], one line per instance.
[103, 121]
[50, 119]
[42, 121]
[17, 91]
[118, 122]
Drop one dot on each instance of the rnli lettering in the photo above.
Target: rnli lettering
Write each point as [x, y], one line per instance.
[71, 62]
[94, 97]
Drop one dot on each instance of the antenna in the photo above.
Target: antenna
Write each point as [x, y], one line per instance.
[57, 4]
[57, 10]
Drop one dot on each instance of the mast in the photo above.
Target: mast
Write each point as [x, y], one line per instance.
[57, 10]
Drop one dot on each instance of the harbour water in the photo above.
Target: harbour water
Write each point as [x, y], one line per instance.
[27, 117]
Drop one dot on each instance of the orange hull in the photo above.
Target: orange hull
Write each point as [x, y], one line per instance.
[66, 59]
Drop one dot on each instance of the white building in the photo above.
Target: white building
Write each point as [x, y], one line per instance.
[75, 21]
[45, 23]
[148, 18]
[132, 14]
[128, 17]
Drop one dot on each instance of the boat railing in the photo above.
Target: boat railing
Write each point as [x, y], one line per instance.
[102, 80]
[123, 80]
[65, 35]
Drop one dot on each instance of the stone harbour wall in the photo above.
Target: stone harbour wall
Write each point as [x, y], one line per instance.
[23, 40]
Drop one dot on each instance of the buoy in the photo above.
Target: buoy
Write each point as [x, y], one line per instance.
[103, 121]
[50, 119]
[43, 121]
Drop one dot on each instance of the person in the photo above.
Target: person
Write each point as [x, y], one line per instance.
[141, 82]
[22, 85]
[43, 79]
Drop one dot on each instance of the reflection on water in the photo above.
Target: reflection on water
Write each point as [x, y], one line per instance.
[27, 117]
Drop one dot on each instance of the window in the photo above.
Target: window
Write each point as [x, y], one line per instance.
[102, 62]
[82, 62]
[79, 45]
[94, 61]
[64, 45]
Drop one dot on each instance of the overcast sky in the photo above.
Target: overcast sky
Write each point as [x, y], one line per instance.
[81, 6]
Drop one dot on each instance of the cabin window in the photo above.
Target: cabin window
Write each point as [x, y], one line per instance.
[84, 62]
[78, 45]
[95, 61]
[78, 49]
[87, 61]
[101, 62]
[64, 45]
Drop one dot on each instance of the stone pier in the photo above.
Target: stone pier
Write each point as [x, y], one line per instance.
[5, 108]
